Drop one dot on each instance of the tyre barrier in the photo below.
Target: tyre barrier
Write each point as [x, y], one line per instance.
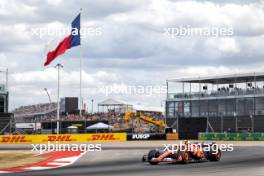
[232, 136]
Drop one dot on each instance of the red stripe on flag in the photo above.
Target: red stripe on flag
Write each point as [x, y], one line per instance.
[60, 49]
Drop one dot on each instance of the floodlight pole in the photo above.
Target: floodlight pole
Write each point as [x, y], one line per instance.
[7, 79]
[46, 90]
[236, 122]
[92, 105]
[222, 124]
[58, 66]
[81, 101]
[252, 123]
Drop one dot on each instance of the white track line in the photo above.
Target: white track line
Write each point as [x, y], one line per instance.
[38, 168]
[4, 172]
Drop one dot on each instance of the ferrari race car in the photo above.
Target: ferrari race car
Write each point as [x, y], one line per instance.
[185, 153]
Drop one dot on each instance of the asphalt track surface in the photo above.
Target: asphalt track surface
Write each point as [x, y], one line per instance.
[114, 161]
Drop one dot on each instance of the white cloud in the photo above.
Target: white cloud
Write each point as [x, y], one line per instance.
[245, 18]
[224, 45]
[32, 83]
[54, 2]
[132, 48]
[50, 75]
[16, 8]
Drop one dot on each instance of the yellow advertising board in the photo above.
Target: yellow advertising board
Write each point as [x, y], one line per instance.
[63, 138]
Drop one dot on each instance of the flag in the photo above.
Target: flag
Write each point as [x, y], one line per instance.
[72, 40]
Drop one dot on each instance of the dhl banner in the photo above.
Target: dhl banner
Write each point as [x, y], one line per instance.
[63, 138]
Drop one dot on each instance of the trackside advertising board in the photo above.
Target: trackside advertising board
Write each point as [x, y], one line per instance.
[152, 136]
[232, 136]
[146, 136]
[63, 138]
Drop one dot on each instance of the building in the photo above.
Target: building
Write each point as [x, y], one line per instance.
[6, 119]
[3, 99]
[229, 103]
[69, 105]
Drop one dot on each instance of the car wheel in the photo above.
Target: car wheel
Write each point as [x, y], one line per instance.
[144, 158]
[185, 157]
[214, 156]
[153, 154]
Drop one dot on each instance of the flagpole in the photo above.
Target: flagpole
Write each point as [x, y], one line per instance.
[58, 66]
[80, 69]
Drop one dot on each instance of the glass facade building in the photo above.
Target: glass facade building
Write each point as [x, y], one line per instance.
[230, 95]
[228, 103]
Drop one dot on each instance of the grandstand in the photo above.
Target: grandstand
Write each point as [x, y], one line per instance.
[113, 112]
[229, 103]
[38, 112]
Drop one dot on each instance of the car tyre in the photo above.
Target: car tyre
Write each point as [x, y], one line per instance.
[185, 157]
[153, 154]
[214, 156]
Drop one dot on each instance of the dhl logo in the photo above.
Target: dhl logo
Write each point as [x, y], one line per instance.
[13, 139]
[61, 138]
[103, 137]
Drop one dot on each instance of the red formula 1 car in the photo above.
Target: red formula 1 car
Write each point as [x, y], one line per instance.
[184, 154]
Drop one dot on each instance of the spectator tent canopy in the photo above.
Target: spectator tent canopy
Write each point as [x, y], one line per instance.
[98, 126]
[114, 105]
